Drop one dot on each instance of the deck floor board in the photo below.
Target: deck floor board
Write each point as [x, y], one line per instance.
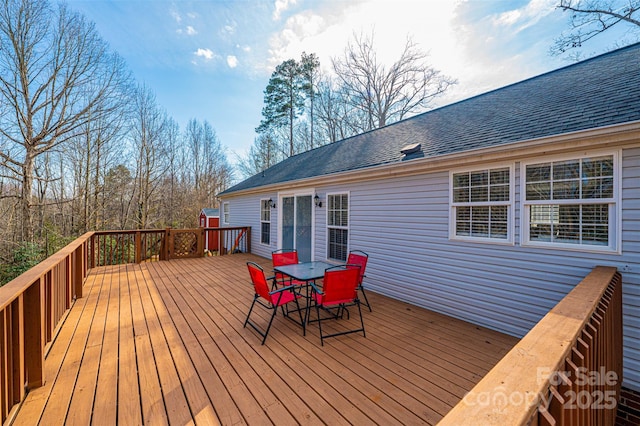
[164, 343]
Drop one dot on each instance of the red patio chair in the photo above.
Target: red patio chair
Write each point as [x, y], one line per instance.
[283, 257]
[270, 299]
[360, 258]
[339, 290]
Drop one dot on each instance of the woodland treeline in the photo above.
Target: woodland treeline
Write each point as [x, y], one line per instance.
[83, 146]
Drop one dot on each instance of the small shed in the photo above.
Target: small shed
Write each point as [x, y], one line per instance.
[210, 218]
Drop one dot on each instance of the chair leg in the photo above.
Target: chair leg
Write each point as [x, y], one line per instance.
[266, 333]
[255, 298]
[361, 320]
[366, 301]
[319, 325]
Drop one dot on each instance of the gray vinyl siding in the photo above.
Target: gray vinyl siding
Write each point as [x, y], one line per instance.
[245, 211]
[403, 224]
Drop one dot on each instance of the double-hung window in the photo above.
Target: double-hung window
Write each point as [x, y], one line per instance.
[571, 203]
[481, 205]
[337, 226]
[265, 222]
[225, 213]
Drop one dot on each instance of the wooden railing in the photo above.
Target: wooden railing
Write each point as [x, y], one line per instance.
[118, 247]
[33, 305]
[566, 371]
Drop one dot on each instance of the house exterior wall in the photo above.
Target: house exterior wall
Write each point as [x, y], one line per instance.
[403, 224]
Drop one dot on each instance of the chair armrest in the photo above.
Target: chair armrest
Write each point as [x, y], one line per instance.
[315, 288]
[281, 289]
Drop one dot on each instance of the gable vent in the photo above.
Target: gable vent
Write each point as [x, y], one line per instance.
[410, 149]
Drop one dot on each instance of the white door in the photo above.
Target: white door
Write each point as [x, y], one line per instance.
[296, 231]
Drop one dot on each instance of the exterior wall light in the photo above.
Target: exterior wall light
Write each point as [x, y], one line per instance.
[317, 201]
[271, 203]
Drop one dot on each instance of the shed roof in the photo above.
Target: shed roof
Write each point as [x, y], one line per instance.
[598, 92]
[210, 212]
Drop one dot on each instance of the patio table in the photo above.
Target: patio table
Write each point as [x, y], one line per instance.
[307, 272]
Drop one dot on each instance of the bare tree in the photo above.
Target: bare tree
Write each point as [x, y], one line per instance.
[147, 134]
[384, 94]
[209, 163]
[263, 154]
[588, 18]
[55, 74]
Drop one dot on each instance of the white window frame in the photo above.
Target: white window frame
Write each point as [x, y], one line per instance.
[225, 213]
[264, 207]
[614, 213]
[346, 228]
[510, 206]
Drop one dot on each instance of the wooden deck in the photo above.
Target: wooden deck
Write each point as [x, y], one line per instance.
[163, 343]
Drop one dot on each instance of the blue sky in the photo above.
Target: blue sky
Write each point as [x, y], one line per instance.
[211, 60]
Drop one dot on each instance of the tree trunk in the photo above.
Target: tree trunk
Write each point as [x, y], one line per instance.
[26, 198]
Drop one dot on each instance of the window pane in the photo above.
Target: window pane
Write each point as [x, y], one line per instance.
[597, 188]
[569, 214]
[499, 193]
[566, 190]
[539, 191]
[544, 214]
[567, 233]
[338, 244]
[566, 169]
[463, 221]
[265, 233]
[540, 232]
[597, 167]
[499, 214]
[499, 176]
[498, 230]
[480, 178]
[538, 173]
[595, 235]
[461, 195]
[479, 194]
[460, 180]
[480, 221]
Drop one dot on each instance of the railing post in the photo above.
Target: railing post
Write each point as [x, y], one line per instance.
[16, 347]
[248, 239]
[77, 271]
[200, 243]
[221, 242]
[91, 244]
[34, 334]
[138, 247]
[166, 249]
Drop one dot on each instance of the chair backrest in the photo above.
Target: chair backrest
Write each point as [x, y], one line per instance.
[357, 257]
[284, 257]
[259, 280]
[340, 285]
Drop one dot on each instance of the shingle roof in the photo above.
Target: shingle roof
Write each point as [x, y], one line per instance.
[210, 212]
[601, 91]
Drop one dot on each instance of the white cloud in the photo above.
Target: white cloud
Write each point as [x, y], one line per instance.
[232, 61]
[326, 31]
[527, 16]
[189, 30]
[176, 16]
[281, 6]
[205, 53]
